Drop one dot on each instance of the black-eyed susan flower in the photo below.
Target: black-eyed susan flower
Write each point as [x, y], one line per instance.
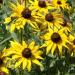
[21, 16]
[51, 19]
[3, 68]
[66, 25]
[55, 39]
[25, 54]
[60, 4]
[40, 5]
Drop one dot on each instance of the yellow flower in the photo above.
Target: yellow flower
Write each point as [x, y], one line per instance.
[3, 68]
[66, 25]
[21, 16]
[55, 39]
[51, 19]
[26, 54]
[40, 5]
[60, 4]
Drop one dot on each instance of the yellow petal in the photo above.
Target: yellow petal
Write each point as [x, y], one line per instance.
[47, 36]
[24, 63]
[8, 52]
[44, 45]
[31, 24]
[66, 46]
[38, 57]
[60, 48]
[18, 63]
[15, 56]
[37, 62]
[38, 52]
[49, 48]
[71, 37]
[53, 48]
[29, 65]
[55, 29]
[24, 44]
[7, 20]
[4, 69]
[12, 27]
[31, 45]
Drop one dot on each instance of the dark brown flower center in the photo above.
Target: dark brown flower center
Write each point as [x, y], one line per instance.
[26, 13]
[1, 1]
[42, 4]
[64, 24]
[49, 17]
[59, 2]
[2, 73]
[26, 53]
[1, 61]
[74, 41]
[55, 37]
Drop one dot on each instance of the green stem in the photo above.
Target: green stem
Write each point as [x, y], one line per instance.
[5, 40]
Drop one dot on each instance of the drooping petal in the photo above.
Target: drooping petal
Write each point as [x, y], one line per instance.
[31, 45]
[29, 65]
[37, 62]
[24, 64]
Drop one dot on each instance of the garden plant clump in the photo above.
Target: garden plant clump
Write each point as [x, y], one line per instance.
[37, 37]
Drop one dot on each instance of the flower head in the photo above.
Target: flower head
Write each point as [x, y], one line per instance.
[67, 26]
[54, 39]
[40, 5]
[26, 54]
[21, 16]
[51, 19]
[60, 4]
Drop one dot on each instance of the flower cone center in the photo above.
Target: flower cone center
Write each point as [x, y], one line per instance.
[55, 37]
[64, 24]
[26, 53]
[59, 2]
[49, 17]
[74, 41]
[26, 13]
[42, 4]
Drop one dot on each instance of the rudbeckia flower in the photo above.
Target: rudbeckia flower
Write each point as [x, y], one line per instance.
[25, 54]
[66, 25]
[40, 5]
[60, 4]
[21, 16]
[51, 19]
[3, 68]
[55, 39]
